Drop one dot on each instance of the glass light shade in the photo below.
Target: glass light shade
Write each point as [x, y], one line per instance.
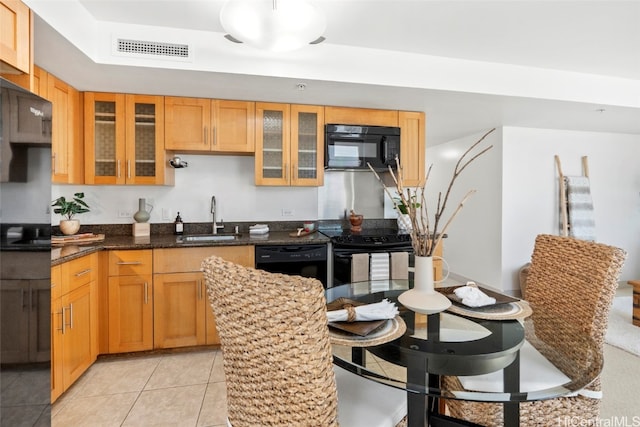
[276, 25]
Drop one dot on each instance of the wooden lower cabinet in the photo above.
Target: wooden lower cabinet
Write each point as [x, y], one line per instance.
[182, 314]
[76, 341]
[73, 321]
[130, 313]
[130, 298]
[179, 310]
[57, 386]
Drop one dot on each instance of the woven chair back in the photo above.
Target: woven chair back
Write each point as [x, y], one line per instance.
[570, 286]
[275, 342]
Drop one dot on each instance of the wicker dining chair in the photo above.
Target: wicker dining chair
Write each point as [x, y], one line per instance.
[277, 355]
[570, 286]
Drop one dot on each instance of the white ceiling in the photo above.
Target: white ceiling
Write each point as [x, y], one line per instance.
[470, 65]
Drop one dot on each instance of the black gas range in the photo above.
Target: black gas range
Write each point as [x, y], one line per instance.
[368, 239]
[345, 243]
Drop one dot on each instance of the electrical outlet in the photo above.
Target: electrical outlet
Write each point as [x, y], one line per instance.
[287, 212]
[166, 214]
[124, 214]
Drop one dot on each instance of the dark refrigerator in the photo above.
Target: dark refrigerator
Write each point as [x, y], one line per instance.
[25, 256]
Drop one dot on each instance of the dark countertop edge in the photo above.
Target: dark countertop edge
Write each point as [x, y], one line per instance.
[61, 254]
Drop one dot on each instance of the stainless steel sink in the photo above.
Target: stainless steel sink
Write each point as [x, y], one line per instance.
[207, 237]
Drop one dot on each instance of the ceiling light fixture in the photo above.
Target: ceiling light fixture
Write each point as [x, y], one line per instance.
[276, 25]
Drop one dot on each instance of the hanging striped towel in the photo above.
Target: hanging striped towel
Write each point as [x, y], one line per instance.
[580, 208]
[379, 269]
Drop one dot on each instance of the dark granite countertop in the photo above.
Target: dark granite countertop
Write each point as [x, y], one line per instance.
[69, 252]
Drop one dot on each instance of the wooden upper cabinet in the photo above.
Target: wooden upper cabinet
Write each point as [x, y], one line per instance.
[307, 145]
[412, 146]
[15, 36]
[210, 125]
[289, 145]
[360, 116]
[67, 148]
[234, 129]
[187, 124]
[124, 137]
[272, 165]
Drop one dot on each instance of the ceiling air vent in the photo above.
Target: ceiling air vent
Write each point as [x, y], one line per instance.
[156, 49]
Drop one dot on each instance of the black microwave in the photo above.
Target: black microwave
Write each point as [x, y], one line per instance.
[349, 147]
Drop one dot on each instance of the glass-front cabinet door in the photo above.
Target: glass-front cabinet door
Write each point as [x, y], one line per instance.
[144, 157]
[307, 142]
[124, 137]
[272, 165]
[289, 141]
[104, 138]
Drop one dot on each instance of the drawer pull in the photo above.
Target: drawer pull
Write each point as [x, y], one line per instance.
[129, 262]
[146, 293]
[83, 272]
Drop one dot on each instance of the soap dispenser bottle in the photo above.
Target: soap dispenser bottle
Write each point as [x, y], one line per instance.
[178, 226]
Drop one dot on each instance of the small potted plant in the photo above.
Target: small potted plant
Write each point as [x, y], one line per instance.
[68, 209]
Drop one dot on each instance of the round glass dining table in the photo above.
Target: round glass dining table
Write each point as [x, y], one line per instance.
[496, 358]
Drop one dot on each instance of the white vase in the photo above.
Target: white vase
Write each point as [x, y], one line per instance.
[69, 226]
[423, 298]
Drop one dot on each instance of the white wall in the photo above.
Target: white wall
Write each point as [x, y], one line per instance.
[517, 198]
[473, 246]
[229, 178]
[531, 198]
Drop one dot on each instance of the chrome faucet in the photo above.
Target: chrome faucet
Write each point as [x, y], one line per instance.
[216, 226]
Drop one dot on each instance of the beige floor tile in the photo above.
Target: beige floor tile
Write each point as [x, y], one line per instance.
[182, 369]
[95, 411]
[217, 372]
[175, 407]
[214, 407]
[117, 376]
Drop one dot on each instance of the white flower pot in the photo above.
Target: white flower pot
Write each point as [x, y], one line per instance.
[69, 226]
[404, 223]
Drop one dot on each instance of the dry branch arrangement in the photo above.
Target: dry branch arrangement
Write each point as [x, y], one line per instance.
[425, 235]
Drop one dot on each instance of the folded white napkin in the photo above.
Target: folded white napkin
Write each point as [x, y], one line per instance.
[384, 309]
[472, 296]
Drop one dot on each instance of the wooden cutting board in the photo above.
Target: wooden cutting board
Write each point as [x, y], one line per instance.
[76, 239]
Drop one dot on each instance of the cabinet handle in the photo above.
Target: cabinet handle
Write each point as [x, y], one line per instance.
[294, 171]
[118, 169]
[215, 136]
[129, 262]
[146, 293]
[205, 135]
[199, 289]
[128, 169]
[63, 322]
[22, 299]
[53, 163]
[83, 272]
[71, 316]
[286, 172]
